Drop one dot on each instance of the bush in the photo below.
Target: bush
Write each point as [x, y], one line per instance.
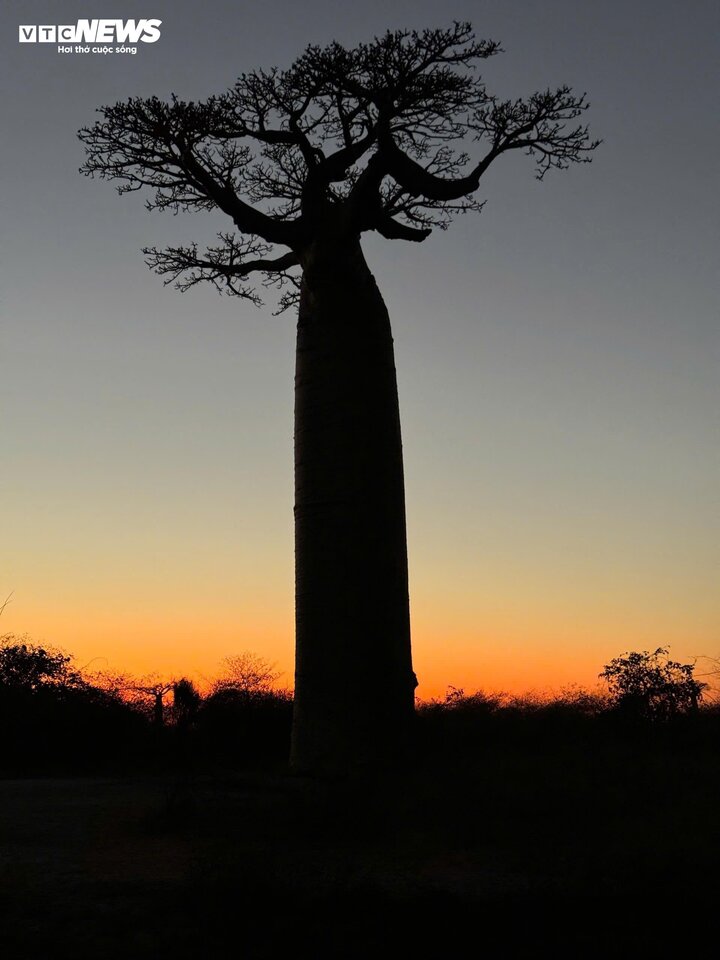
[245, 727]
[53, 720]
[651, 686]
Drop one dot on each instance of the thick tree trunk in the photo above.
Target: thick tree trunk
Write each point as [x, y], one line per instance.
[354, 684]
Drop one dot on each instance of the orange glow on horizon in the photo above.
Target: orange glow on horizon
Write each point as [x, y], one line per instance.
[506, 654]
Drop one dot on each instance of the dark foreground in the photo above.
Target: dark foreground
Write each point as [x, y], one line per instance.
[576, 838]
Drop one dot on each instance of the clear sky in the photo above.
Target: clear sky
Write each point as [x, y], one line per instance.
[557, 356]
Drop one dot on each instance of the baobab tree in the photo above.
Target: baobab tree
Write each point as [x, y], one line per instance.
[392, 136]
[155, 691]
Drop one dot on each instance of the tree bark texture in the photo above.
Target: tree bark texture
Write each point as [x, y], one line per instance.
[354, 683]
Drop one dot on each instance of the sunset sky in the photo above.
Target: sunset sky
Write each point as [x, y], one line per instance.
[557, 357]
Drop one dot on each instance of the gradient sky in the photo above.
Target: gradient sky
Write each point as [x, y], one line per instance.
[557, 358]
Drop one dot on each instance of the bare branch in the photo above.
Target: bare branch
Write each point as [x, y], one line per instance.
[395, 230]
[393, 136]
[225, 266]
[173, 149]
[7, 600]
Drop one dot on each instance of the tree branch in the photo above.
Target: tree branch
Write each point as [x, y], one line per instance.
[224, 266]
[245, 217]
[393, 229]
[344, 141]
[417, 181]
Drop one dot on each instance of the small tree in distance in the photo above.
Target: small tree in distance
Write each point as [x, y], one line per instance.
[652, 686]
[247, 673]
[155, 690]
[186, 702]
[25, 666]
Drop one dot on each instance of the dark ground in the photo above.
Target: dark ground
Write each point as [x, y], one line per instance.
[590, 838]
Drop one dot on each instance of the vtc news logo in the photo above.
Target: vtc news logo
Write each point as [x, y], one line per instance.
[92, 31]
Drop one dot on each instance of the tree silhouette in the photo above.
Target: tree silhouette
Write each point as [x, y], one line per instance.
[52, 715]
[155, 691]
[247, 673]
[186, 702]
[302, 162]
[651, 686]
[25, 666]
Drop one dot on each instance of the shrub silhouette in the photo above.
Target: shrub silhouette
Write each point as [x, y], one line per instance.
[25, 667]
[53, 719]
[241, 727]
[651, 686]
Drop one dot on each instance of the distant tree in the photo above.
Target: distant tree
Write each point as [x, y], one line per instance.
[54, 717]
[113, 683]
[711, 670]
[247, 673]
[652, 686]
[245, 718]
[186, 702]
[154, 690]
[24, 666]
[391, 136]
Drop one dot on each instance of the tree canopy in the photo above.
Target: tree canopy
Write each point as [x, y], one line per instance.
[27, 667]
[392, 136]
[651, 685]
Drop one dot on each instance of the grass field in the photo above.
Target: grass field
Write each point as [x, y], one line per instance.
[500, 837]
